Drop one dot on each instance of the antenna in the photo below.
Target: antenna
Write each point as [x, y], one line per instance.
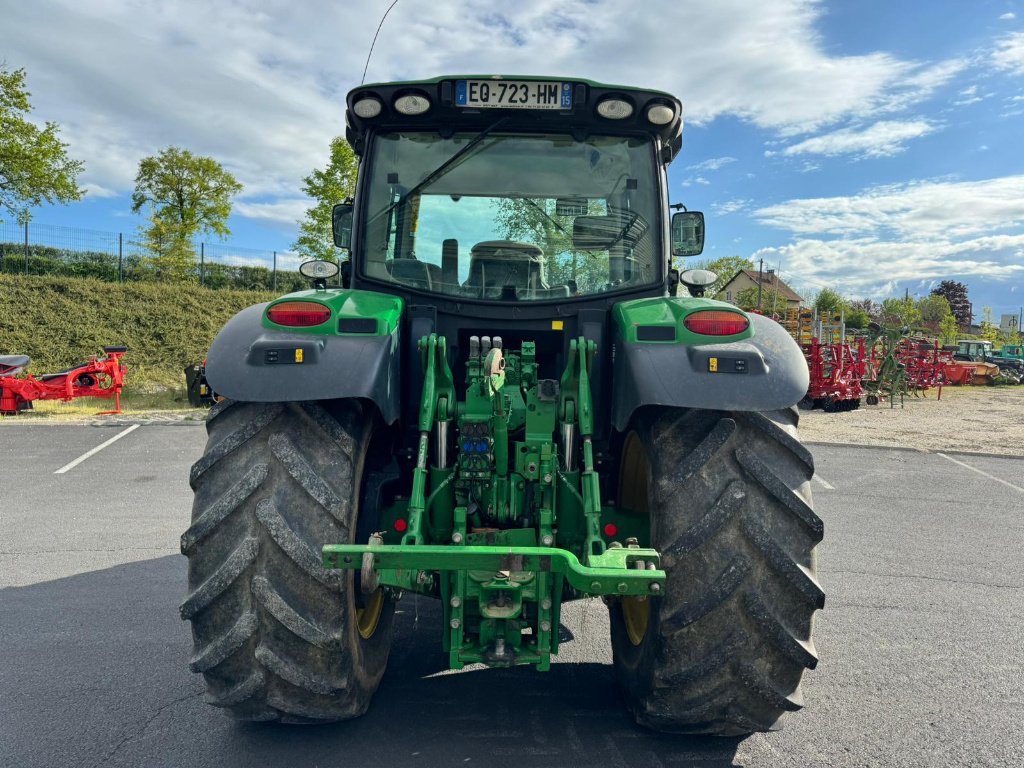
[375, 40]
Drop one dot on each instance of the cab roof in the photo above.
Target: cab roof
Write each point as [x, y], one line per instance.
[448, 109]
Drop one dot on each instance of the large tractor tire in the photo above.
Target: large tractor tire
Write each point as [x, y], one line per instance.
[277, 636]
[728, 495]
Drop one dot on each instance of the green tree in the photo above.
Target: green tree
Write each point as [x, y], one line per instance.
[857, 318]
[34, 164]
[830, 302]
[934, 309]
[956, 294]
[725, 267]
[772, 302]
[187, 195]
[327, 187]
[900, 313]
[989, 330]
[949, 329]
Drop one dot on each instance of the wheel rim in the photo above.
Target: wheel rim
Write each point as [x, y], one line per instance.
[368, 617]
[636, 612]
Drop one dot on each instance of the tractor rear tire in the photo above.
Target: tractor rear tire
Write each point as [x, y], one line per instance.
[723, 649]
[276, 635]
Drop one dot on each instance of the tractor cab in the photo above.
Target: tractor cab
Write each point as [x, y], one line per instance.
[979, 351]
[476, 191]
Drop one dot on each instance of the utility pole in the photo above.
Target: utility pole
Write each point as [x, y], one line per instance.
[760, 267]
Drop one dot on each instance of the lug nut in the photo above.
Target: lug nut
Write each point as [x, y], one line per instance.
[456, 601]
[456, 538]
[545, 604]
[655, 588]
[547, 540]
[545, 626]
[455, 623]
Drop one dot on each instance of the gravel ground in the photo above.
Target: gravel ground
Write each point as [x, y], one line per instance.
[971, 419]
[975, 419]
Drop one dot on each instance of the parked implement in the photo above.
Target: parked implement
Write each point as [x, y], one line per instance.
[501, 403]
[99, 376]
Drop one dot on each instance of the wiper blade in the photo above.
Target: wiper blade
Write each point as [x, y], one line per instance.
[443, 168]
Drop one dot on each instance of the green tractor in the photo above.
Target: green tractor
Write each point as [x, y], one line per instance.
[498, 400]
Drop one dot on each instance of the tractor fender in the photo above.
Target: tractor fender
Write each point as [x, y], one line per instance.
[765, 372]
[251, 363]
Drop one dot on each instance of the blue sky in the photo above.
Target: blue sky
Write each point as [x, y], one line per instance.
[874, 147]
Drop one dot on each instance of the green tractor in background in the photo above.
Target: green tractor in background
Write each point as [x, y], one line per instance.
[501, 402]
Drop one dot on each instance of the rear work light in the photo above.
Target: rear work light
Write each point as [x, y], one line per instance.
[299, 313]
[714, 322]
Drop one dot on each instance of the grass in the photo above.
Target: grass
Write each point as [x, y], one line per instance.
[61, 321]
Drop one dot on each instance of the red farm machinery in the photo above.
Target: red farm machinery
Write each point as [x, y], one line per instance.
[99, 376]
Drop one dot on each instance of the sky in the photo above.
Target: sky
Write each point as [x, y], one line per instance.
[872, 147]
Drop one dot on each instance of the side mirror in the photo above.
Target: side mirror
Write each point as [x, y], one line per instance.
[687, 233]
[341, 224]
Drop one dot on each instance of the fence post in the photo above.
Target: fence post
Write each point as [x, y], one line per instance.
[202, 263]
[120, 257]
[274, 282]
[26, 247]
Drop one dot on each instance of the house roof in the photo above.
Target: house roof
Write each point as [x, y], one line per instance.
[769, 281]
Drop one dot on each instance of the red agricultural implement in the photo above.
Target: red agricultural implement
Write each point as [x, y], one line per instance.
[924, 362]
[836, 373]
[100, 376]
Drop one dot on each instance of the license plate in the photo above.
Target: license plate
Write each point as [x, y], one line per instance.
[512, 94]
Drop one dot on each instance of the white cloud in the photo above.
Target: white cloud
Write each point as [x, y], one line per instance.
[918, 231]
[711, 165]
[730, 206]
[1008, 16]
[860, 267]
[696, 180]
[261, 87]
[285, 211]
[882, 139]
[1009, 53]
[919, 210]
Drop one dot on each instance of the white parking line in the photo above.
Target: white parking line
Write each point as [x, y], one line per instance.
[986, 474]
[97, 449]
[825, 483]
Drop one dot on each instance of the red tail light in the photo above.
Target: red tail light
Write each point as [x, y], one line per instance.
[298, 313]
[714, 322]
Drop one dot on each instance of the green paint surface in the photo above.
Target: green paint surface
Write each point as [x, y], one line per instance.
[345, 303]
[670, 312]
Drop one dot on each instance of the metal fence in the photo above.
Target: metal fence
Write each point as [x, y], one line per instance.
[46, 249]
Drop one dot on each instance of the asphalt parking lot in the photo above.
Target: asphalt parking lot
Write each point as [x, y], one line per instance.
[921, 639]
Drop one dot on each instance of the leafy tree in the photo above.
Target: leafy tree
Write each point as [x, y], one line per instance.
[934, 309]
[828, 301]
[172, 256]
[187, 195]
[956, 294]
[725, 267]
[989, 330]
[900, 313]
[327, 187]
[857, 318]
[34, 164]
[949, 329]
[772, 302]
